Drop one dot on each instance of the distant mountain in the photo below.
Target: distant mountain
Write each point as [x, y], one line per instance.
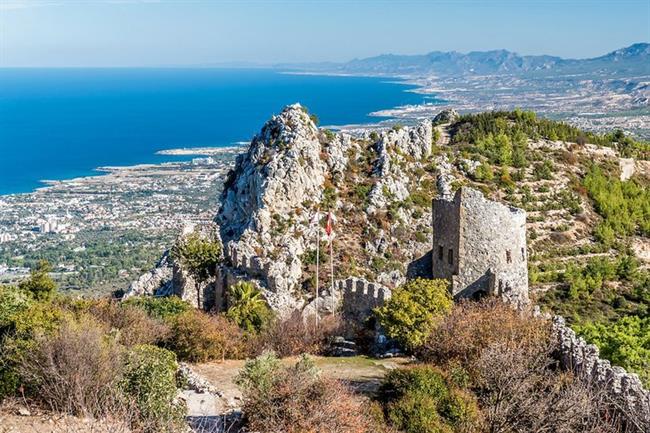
[634, 59]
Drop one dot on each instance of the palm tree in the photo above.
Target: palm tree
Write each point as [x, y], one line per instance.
[247, 307]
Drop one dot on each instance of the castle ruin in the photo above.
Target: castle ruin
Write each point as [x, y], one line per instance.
[480, 246]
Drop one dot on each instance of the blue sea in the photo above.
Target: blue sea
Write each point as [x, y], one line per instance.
[63, 123]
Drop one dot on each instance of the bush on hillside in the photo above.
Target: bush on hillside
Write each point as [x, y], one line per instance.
[624, 205]
[422, 400]
[149, 380]
[23, 327]
[164, 308]
[414, 310]
[295, 335]
[74, 370]
[246, 307]
[297, 399]
[130, 324]
[626, 343]
[39, 283]
[199, 337]
[13, 301]
[473, 326]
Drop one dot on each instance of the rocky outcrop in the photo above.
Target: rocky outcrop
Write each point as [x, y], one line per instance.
[266, 220]
[446, 116]
[154, 280]
[392, 178]
[624, 389]
[259, 225]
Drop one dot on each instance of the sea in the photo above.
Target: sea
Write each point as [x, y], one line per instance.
[63, 123]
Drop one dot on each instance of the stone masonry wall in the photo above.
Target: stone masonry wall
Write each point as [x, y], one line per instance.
[480, 245]
[359, 297]
[624, 388]
[446, 228]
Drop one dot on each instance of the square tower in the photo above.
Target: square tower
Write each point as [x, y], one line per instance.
[480, 246]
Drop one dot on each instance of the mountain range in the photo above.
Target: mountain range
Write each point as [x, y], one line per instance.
[631, 60]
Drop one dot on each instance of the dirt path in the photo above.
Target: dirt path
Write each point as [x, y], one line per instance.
[444, 134]
[362, 374]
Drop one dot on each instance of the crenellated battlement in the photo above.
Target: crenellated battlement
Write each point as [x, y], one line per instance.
[359, 297]
[360, 288]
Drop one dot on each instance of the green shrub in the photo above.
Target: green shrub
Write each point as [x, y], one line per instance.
[626, 343]
[296, 399]
[362, 191]
[12, 302]
[199, 255]
[258, 374]
[39, 283]
[483, 173]
[414, 309]
[150, 380]
[199, 337]
[543, 170]
[624, 205]
[423, 400]
[246, 307]
[165, 308]
[27, 325]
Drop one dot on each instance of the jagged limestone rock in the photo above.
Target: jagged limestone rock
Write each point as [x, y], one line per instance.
[446, 116]
[392, 148]
[152, 281]
[271, 196]
[258, 221]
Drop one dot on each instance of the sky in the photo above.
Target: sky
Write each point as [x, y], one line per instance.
[124, 33]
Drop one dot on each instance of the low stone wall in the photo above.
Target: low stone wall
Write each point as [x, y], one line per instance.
[622, 387]
[359, 297]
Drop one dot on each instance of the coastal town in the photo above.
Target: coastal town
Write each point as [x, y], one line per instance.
[599, 104]
[101, 231]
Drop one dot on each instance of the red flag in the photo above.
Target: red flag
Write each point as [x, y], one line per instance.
[328, 226]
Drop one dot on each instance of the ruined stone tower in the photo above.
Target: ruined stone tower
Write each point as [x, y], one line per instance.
[480, 246]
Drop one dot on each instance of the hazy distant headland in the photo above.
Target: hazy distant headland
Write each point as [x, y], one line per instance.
[601, 93]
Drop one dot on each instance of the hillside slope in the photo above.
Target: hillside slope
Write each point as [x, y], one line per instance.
[586, 197]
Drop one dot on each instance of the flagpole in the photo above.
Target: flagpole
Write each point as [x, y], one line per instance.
[317, 261]
[332, 263]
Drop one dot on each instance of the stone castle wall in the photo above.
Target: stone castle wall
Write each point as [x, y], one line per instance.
[624, 388]
[480, 245]
[359, 297]
[446, 229]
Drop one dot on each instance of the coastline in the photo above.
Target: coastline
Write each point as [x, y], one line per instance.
[76, 173]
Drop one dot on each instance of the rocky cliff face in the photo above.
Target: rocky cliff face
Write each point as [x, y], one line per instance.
[378, 185]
